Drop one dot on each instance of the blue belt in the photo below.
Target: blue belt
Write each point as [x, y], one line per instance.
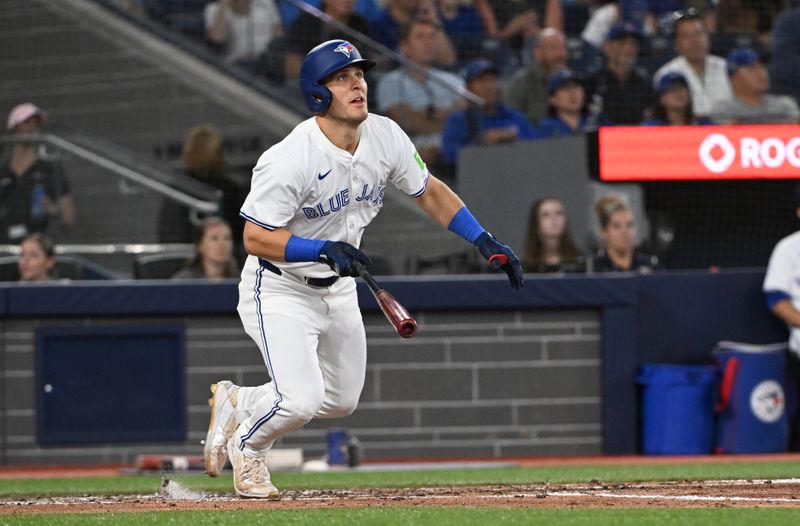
[314, 282]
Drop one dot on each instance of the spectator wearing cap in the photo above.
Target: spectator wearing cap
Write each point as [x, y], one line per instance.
[567, 97]
[492, 123]
[706, 74]
[673, 104]
[33, 191]
[750, 103]
[527, 89]
[620, 91]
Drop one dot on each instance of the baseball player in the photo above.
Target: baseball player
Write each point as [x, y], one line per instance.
[311, 197]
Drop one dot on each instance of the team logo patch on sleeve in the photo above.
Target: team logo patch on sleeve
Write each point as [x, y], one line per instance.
[419, 160]
[345, 48]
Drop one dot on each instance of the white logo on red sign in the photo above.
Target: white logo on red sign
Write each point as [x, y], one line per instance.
[717, 140]
[718, 153]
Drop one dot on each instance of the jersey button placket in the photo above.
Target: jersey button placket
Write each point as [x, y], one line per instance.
[351, 232]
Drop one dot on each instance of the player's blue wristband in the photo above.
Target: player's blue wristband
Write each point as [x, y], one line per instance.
[776, 296]
[465, 225]
[302, 249]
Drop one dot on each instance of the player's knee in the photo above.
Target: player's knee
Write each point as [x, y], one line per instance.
[304, 409]
[345, 407]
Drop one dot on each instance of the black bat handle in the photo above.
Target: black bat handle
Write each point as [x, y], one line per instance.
[366, 276]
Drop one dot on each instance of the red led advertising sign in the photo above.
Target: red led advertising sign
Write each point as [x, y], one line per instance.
[645, 153]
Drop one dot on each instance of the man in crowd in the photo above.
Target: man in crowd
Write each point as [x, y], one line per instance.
[491, 124]
[420, 100]
[619, 90]
[527, 89]
[706, 74]
[750, 102]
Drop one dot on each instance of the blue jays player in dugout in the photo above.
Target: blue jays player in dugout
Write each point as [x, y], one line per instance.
[311, 197]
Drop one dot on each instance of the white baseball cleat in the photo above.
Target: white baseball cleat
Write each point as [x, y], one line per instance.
[221, 426]
[250, 474]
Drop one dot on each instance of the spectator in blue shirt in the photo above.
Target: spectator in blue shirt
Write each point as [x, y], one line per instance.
[567, 97]
[492, 124]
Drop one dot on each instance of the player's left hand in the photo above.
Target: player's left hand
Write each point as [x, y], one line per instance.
[340, 256]
[489, 246]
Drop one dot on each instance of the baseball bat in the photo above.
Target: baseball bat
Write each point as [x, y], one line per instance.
[398, 316]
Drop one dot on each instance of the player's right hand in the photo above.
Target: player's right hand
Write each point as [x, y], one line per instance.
[490, 246]
[340, 256]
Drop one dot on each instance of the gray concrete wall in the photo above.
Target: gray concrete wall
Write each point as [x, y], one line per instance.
[488, 384]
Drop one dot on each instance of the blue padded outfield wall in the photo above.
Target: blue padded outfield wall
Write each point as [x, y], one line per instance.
[492, 372]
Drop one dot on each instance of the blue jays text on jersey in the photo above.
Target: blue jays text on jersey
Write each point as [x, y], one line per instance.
[370, 194]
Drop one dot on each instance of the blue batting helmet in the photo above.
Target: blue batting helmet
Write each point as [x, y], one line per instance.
[327, 58]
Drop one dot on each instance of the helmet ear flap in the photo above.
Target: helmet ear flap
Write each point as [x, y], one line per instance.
[319, 99]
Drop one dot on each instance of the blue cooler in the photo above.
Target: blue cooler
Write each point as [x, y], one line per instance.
[677, 409]
[752, 402]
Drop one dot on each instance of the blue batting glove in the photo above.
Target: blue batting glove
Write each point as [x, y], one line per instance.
[489, 246]
[340, 256]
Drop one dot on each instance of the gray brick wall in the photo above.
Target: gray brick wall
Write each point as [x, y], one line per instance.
[486, 384]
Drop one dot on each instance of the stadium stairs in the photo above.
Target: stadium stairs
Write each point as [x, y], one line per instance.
[130, 83]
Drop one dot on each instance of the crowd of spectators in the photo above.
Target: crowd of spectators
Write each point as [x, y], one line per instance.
[537, 72]
[630, 62]
[624, 62]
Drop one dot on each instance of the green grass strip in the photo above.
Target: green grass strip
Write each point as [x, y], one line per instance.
[144, 484]
[455, 516]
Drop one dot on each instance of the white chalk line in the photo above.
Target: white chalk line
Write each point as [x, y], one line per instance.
[695, 498]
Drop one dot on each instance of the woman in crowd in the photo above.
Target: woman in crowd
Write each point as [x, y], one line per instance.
[37, 258]
[549, 244]
[213, 257]
[618, 226]
[673, 105]
[204, 160]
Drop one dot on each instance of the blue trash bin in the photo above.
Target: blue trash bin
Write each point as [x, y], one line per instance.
[752, 403]
[677, 409]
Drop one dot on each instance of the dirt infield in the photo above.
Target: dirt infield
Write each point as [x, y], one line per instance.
[681, 494]
[782, 493]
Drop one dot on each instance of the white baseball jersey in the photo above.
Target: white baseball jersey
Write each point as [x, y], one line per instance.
[783, 275]
[319, 191]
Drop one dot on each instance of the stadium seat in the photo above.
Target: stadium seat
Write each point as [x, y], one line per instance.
[158, 266]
